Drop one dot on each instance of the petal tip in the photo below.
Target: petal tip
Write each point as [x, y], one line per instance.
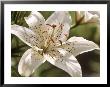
[25, 73]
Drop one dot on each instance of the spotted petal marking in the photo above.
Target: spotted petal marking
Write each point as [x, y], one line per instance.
[65, 61]
[78, 45]
[34, 20]
[26, 35]
[36, 23]
[48, 41]
[62, 22]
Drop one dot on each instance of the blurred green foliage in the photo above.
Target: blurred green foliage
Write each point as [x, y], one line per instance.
[90, 62]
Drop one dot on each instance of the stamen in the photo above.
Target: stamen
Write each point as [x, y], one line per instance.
[52, 40]
[60, 42]
[53, 26]
[61, 25]
[49, 25]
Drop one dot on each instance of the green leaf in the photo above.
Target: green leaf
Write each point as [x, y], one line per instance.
[46, 14]
[14, 72]
[17, 17]
[87, 31]
[72, 14]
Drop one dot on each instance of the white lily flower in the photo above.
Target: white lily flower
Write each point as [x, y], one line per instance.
[48, 41]
[87, 16]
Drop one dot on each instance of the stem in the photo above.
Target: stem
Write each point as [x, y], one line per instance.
[77, 23]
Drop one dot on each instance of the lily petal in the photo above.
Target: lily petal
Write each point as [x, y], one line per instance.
[95, 13]
[34, 20]
[29, 62]
[26, 35]
[89, 16]
[78, 45]
[65, 61]
[60, 23]
[36, 23]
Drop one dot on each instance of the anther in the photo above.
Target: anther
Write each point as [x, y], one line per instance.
[53, 26]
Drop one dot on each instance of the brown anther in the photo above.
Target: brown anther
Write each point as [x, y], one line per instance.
[49, 25]
[53, 26]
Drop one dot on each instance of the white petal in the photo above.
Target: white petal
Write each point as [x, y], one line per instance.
[65, 61]
[95, 13]
[78, 45]
[26, 35]
[36, 23]
[62, 23]
[30, 61]
[88, 16]
[34, 20]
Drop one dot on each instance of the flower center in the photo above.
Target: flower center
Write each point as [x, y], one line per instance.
[51, 39]
[44, 49]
